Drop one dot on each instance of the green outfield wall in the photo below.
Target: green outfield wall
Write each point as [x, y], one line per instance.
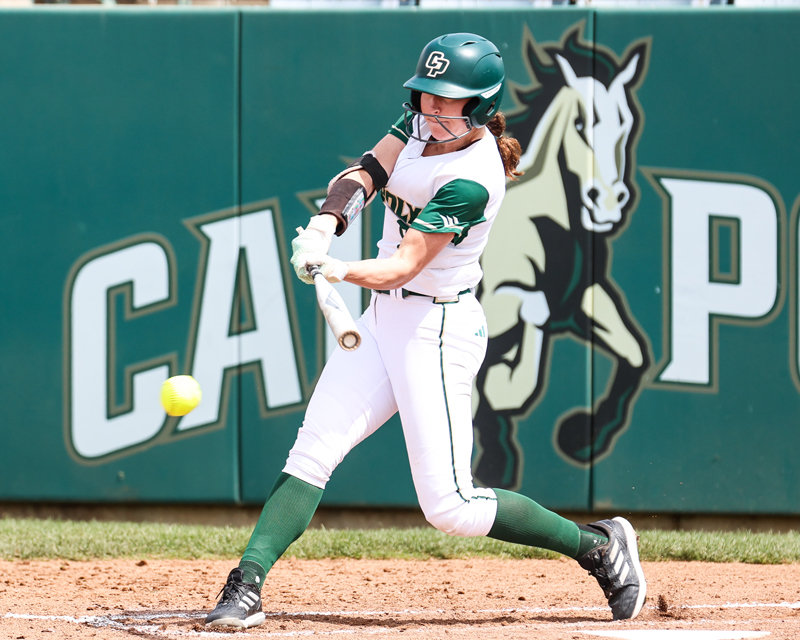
[155, 164]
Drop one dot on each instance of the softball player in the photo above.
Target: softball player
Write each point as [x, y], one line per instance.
[441, 173]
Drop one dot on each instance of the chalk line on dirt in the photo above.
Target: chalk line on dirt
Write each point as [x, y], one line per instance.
[676, 634]
[122, 621]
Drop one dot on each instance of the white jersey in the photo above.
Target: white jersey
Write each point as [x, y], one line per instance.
[458, 192]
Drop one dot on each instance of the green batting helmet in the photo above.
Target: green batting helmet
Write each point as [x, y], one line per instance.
[461, 65]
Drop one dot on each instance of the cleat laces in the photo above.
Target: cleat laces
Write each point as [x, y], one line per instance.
[234, 588]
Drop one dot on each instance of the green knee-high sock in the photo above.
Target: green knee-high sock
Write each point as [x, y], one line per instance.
[521, 520]
[283, 520]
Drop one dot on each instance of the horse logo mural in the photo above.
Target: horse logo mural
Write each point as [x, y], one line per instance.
[547, 265]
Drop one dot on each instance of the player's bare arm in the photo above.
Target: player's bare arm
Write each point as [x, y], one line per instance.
[386, 153]
[415, 252]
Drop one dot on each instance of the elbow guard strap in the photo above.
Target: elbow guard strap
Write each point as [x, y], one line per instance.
[370, 164]
[374, 169]
[346, 199]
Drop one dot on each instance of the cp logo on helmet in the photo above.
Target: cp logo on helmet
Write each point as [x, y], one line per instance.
[436, 64]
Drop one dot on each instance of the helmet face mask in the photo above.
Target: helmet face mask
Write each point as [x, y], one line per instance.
[410, 118]
[458, 65]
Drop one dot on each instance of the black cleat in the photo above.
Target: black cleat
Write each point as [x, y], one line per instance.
[616, 567]
[239, 606]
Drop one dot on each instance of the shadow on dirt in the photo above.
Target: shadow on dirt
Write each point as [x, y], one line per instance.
[160, 623]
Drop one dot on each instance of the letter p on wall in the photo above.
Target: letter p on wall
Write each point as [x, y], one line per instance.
[711, 222]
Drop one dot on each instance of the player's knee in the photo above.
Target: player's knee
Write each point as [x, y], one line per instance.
[455, 522]
[444, 522]
[312, 459]
[307, 469]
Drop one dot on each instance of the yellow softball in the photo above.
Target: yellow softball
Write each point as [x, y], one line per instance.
[180, 394]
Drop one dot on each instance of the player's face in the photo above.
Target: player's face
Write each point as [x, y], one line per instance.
[438, 106]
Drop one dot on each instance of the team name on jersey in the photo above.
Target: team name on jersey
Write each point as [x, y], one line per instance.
[406, 214]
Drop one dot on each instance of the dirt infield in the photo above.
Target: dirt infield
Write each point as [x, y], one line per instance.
[545, 599]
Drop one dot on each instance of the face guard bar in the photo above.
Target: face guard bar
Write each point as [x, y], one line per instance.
[408, 121]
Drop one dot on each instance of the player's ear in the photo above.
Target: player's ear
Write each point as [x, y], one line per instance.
[471, 105]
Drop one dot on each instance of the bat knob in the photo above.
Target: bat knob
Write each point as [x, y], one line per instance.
[350, 341]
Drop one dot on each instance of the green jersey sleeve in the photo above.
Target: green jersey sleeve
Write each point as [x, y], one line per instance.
[398, 129]
[456, 208]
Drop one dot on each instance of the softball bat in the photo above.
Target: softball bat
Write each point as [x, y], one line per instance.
[336, 314]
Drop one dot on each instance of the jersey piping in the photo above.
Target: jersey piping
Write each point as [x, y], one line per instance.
[398, 130]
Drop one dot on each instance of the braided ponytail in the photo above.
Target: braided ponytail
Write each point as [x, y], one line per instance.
[509, 148]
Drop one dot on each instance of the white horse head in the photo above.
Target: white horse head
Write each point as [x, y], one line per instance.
[595, 150]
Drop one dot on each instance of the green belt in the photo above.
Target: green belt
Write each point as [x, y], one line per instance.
[438, 299]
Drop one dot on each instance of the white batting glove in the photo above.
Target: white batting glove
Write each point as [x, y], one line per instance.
[314, 239]
[333, 270]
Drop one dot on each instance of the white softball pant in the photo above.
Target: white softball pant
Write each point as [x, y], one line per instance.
[417, 357]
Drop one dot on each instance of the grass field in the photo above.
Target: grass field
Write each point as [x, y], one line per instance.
[23, 539]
